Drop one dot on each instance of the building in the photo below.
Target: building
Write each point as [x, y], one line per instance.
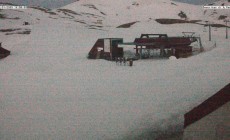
[211, 119]
[106, 48]
[3, 52]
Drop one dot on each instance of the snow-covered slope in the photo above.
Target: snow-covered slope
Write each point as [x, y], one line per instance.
[50, 90]
[120, 12]
[218, 15]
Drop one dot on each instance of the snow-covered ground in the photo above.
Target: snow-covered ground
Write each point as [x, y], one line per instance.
[50, 90]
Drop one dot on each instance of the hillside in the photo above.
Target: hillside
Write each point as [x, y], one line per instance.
[50, 90]
[126, 12]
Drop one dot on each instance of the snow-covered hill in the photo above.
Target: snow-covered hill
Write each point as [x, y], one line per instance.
[218, 15]
[102, 14]
[121, 12]
[50, 90]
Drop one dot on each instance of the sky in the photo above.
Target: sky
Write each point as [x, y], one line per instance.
[59, 3]
[43, 3]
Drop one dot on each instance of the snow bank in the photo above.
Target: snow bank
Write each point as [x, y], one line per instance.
[172, 58]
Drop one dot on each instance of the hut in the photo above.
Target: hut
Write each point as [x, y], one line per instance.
[3, 52]
[106, 48]
[211, 119]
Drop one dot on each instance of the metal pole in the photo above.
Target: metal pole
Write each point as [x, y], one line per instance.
[141, 53]
[209, 26]
[136, 50]
[226, 28]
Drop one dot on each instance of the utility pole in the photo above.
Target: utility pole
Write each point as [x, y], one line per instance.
[208, 23]
[209, 27]
[226, 28]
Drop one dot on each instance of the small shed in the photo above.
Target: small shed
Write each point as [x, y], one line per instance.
[106, 48]
[211, 119]
[3, 52]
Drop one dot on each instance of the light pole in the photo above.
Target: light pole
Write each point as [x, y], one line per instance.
[209, 27]
[208, 23]
[209, 30]
[226, 28]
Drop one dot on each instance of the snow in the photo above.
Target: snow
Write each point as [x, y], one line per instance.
[172, 58]
[126, 11]
[50, 90]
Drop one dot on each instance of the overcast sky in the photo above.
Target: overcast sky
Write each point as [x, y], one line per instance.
[42, 3]
[60, 3]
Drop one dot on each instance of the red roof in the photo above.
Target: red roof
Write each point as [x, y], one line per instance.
[208, 106]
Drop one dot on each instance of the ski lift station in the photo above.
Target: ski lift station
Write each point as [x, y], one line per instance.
[106, 48]
[147, 46]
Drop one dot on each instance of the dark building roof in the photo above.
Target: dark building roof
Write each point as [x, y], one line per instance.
[3, 52]
[208, 106]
